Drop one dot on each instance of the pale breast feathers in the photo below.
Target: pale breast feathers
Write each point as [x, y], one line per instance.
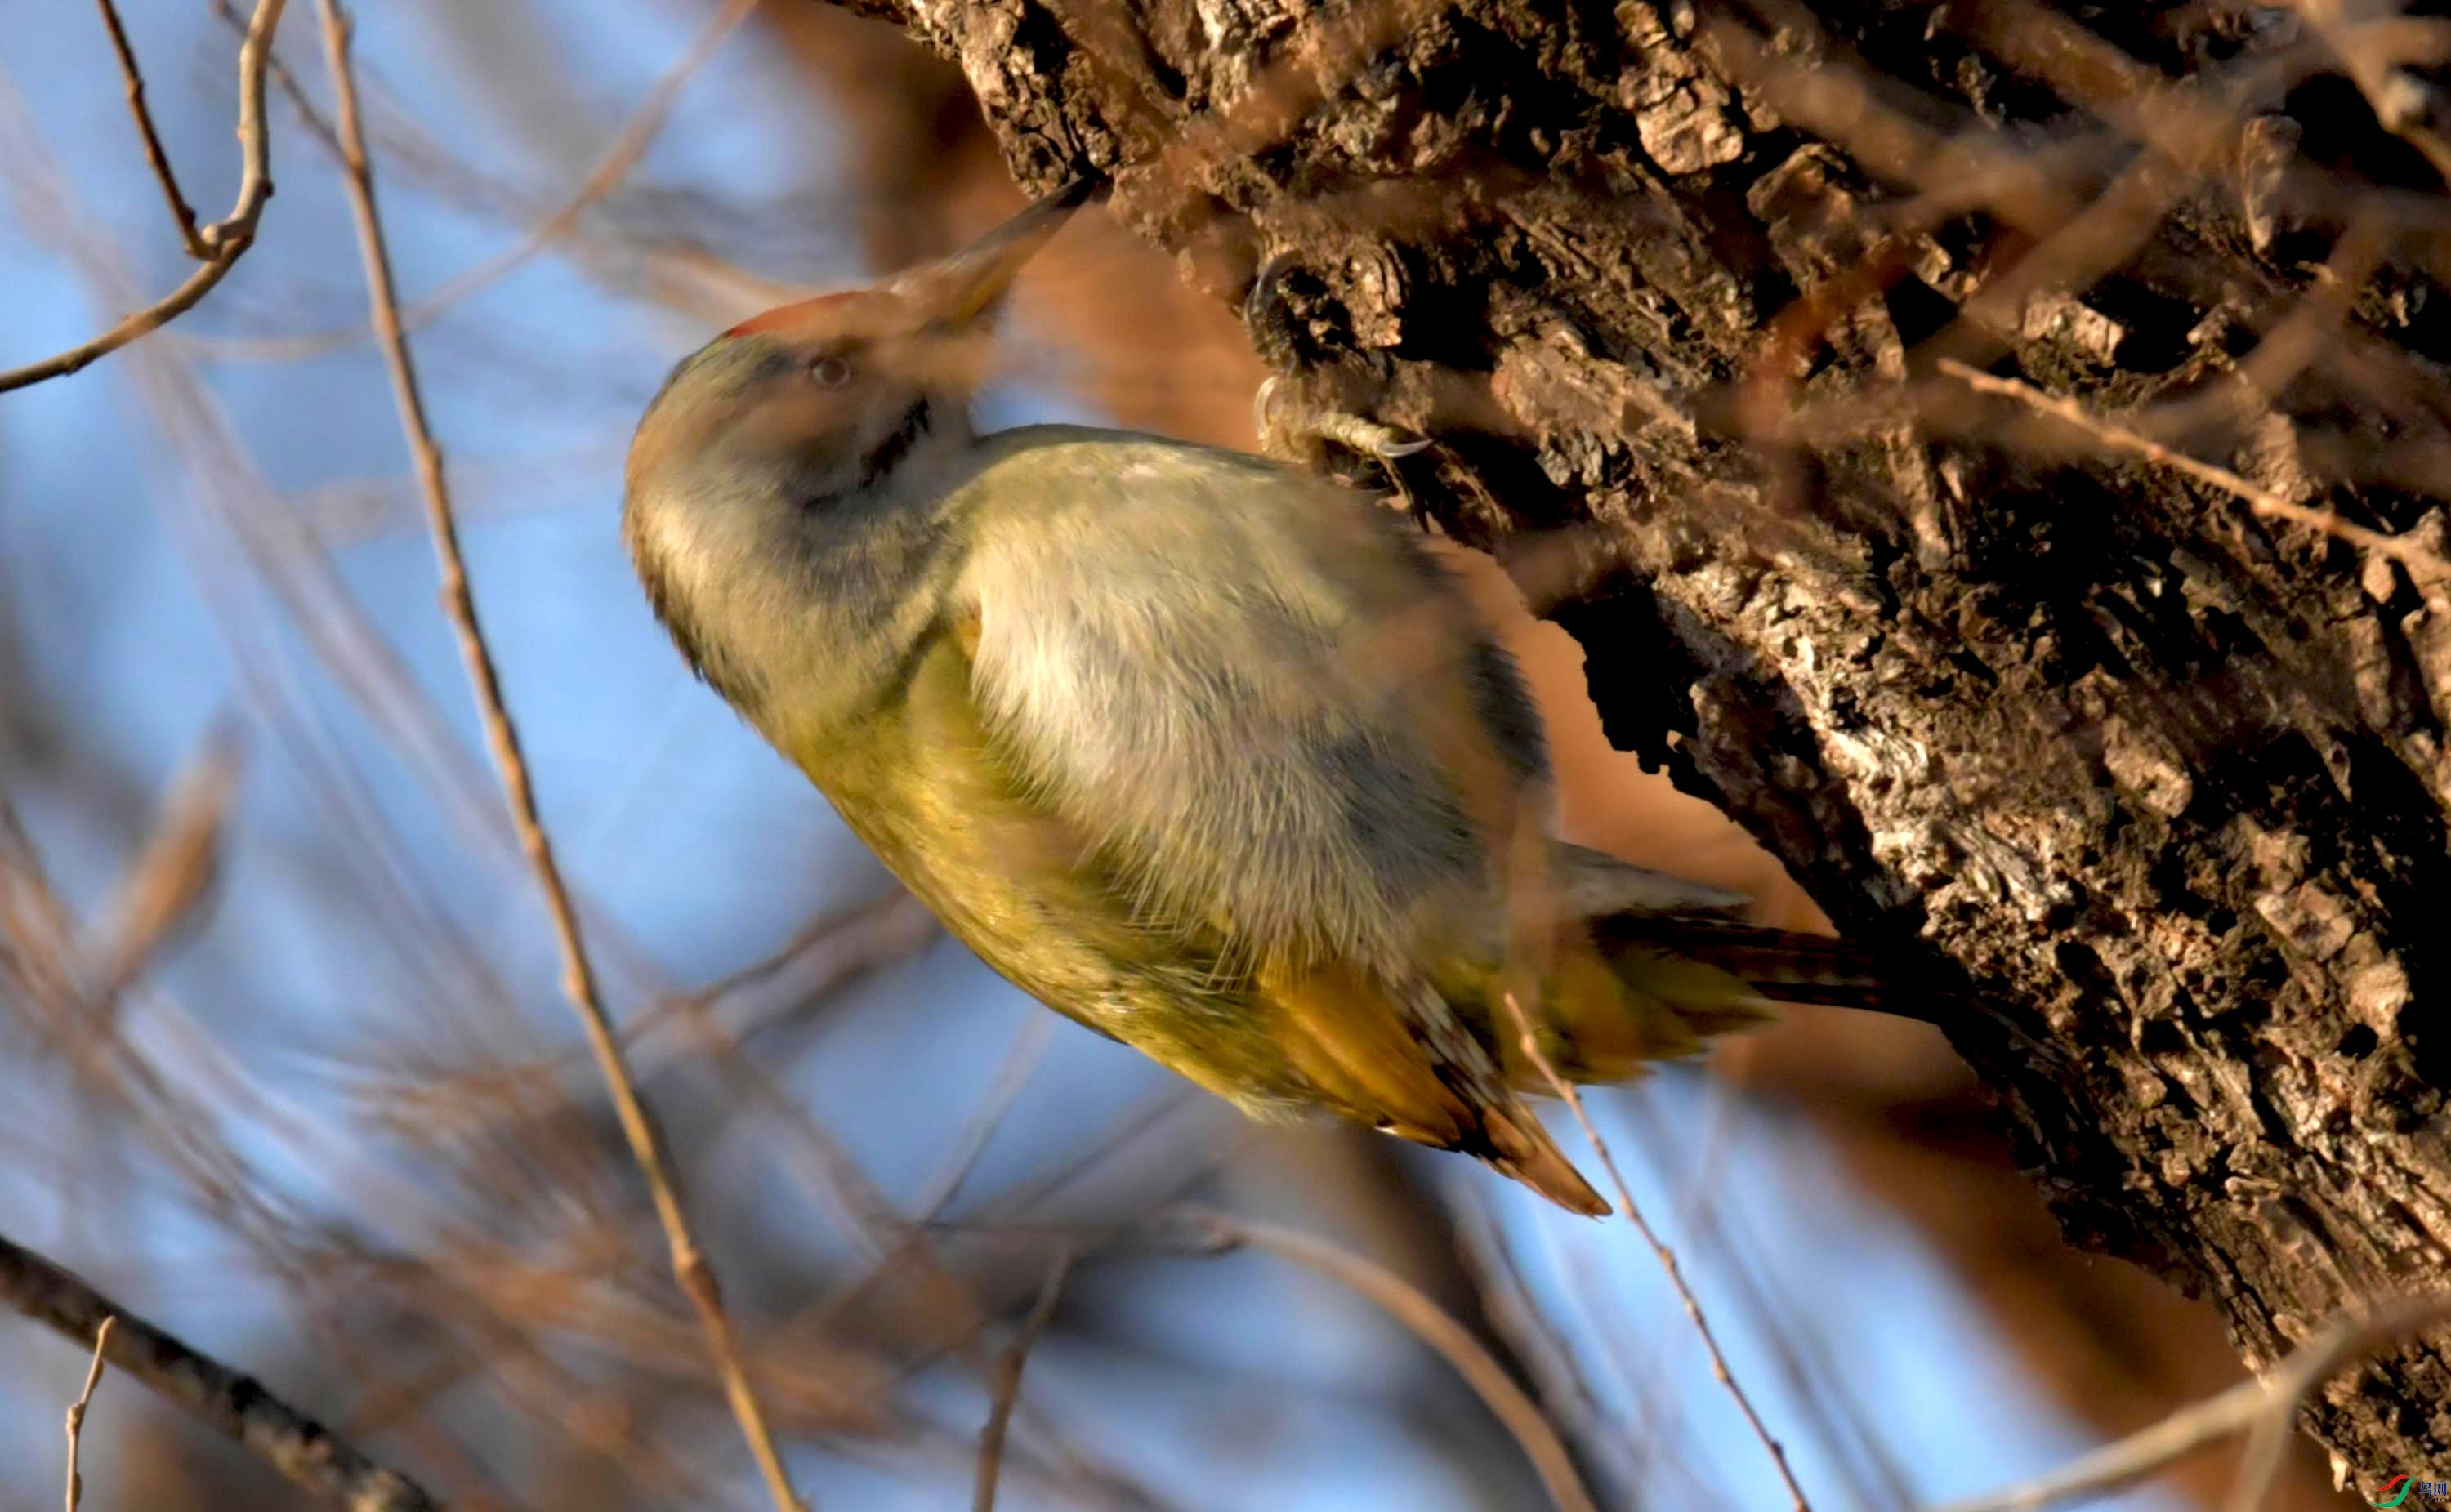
[1224, 683]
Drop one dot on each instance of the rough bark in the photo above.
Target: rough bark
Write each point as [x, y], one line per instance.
[2156, 784]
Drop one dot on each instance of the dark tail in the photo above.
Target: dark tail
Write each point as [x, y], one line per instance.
[1782, 965]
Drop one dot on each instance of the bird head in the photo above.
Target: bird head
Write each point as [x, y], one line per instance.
[779, 462]
[831, 395]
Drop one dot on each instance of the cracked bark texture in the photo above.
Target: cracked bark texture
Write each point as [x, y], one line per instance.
[2154, 786]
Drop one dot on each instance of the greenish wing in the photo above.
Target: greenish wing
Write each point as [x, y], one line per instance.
[1221, 672]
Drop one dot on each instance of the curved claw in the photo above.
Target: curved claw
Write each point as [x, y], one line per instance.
[1367, 437]
[1268, 315]
[1385, 443]
[1264, 405]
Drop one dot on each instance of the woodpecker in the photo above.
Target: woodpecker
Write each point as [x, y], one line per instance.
[1200, 749]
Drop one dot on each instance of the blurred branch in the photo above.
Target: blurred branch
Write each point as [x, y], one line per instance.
[1431, 1323]
[297, 1446]
[2402, 104]
[2263, 500]
[2264, 1406]
[629, 144]
[160, 161]
[157, 897]
[690, 1266]
[679, 275]
[1530, 1040]
[1536, 1339]
[76, 1412]
[1008, 1382]
[833, 950]
[225, 240]
[1842, 1425]
[1029, 1044]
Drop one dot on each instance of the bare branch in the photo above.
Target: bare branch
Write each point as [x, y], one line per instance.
[297, 1446]
[690, 1266]
[1008, 1383]
[225, 240]
[2259, 1405]
[2258, 497]
[76, 1412]
[1565, 1089]
[154, 156]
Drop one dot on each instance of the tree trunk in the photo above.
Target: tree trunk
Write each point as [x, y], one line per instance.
[1705, 311]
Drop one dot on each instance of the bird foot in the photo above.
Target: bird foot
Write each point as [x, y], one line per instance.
[1292, 429]
[1294, 416]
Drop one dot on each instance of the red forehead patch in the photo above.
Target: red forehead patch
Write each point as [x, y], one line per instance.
[787, 314]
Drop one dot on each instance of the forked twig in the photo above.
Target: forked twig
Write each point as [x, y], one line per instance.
[1008, 1383]
[225, 240]
[2265, 1404]
[295, 1445]
[1565, 1089]
[76, 1410]
[689, 1263]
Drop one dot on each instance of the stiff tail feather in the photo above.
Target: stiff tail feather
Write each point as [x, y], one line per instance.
[1638, 988]
[1782, 966]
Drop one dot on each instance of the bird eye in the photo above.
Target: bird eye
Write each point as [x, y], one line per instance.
[830, 372]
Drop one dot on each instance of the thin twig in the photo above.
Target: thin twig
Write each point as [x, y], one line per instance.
[76, 1410]
[1565, 1089]
[286, 81]
[690, 1266]
[2301, 1373]
[1008, 1383]
[1430, 1322]
[630, 144]
[2269, 1400]
[297, 1446]
[154, 156]
[2258, 497]
[1537, 1340]
[225, 240]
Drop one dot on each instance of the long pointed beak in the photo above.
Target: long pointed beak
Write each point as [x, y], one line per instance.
[959, 289]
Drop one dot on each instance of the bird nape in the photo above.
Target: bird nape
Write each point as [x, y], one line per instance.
[1200, 749]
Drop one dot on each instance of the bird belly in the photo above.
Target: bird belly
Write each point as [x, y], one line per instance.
[921, 785]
